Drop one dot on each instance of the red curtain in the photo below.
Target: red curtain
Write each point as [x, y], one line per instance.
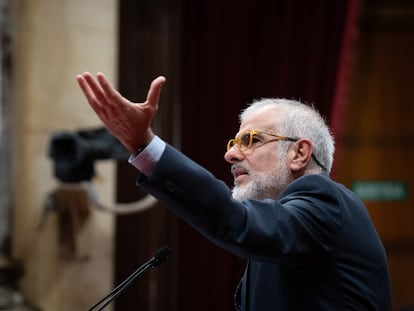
[234, 52]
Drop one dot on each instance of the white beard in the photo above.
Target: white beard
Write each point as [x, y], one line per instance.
[262, 186]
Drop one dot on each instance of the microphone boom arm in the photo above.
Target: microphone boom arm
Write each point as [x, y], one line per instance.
[159, 257]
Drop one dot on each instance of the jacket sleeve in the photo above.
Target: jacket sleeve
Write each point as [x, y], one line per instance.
[305, 221]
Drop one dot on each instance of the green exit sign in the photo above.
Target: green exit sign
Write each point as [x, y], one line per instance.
[380, 190]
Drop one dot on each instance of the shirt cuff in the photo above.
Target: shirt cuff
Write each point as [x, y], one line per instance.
[147, 159]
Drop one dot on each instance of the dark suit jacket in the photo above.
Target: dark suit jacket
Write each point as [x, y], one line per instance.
[313, 249]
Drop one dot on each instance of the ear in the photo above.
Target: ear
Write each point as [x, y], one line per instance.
[300, 155]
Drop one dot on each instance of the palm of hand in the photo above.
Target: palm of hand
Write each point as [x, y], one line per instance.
[129, 122]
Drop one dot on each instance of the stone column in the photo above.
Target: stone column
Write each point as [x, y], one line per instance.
[54, 40]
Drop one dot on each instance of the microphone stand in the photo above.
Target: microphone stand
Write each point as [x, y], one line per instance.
[159, 257]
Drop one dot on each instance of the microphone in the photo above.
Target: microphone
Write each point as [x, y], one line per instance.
[159, 257]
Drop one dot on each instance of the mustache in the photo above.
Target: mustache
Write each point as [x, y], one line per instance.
[236, 166]
[239, 167]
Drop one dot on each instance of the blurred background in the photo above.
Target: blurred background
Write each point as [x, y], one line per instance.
[72, 222]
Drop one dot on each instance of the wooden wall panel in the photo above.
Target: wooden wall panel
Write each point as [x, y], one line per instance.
[377, 143]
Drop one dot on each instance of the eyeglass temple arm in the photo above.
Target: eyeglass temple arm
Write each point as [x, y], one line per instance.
[313, 155]
[319, 163]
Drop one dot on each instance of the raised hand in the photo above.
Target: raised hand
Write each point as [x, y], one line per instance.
[129, 122]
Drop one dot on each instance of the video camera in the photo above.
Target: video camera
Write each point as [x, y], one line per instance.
[74, 154]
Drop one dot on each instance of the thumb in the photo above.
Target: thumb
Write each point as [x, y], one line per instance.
[154, 92]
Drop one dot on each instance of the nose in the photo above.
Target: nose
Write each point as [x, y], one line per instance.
[233, 155]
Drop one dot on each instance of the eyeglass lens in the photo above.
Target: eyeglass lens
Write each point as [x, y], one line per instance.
[246, 140]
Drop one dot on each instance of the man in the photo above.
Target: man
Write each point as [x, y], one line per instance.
[309, 242]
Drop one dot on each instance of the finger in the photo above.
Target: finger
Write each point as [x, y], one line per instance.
[96, 89]
[155, 91]
[86, 89]
[91, 91]
[111, 94]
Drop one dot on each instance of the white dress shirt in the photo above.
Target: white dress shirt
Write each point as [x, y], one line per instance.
[146, 160]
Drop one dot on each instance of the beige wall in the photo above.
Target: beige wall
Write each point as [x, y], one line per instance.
[53, 41]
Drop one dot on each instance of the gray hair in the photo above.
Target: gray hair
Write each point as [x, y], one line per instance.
[299, 120]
